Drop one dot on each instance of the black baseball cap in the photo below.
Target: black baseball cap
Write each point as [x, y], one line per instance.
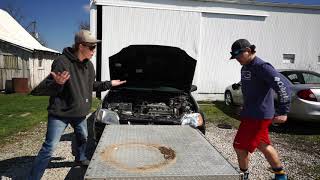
[239, 46]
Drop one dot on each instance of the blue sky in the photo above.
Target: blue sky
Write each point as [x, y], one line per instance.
[58, 20]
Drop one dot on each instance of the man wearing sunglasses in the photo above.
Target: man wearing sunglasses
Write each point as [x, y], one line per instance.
[70, 86]
[258, 78]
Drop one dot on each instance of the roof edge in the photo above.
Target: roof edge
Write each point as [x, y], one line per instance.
[28, 49]
[268, 4]
[248, 2]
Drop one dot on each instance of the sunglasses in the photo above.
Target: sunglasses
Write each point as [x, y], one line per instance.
[237, 53]
[90, 46]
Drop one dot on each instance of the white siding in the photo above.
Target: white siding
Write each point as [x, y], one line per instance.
[219, 31]
[206, 30]
[93, 29]
[123, 26]
[291, 32]
[285, 31]
[37, 74]
[9, 73]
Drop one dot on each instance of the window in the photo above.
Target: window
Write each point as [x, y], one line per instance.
[311, 78]
[40, 63]
[318, 59]
[10, 62]
[293, 77]
[288, 58]
[40, 59]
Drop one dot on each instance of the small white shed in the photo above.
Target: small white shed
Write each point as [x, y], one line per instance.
[21, 55]
[286, 35]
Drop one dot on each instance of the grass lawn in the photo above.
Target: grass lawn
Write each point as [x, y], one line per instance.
[20, 112]
[218, 113]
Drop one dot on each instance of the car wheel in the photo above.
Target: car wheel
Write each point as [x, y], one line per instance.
[228, 100]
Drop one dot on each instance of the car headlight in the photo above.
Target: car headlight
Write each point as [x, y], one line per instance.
[107, 116]
[194, 120]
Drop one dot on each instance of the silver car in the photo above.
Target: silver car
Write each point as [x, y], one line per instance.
[305, 103]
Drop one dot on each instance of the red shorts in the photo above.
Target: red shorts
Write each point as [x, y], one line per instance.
[251, 133]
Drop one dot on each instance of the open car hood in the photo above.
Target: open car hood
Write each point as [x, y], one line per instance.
[153, 66]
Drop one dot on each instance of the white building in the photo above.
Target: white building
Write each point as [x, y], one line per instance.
[287, 36]
[21, 55]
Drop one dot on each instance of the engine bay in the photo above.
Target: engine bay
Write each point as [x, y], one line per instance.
[159, 107]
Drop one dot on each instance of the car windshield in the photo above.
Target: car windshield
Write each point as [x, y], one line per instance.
[300, 77]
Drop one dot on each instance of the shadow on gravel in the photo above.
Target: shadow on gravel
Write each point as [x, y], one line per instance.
[67, 137]
[296, 127]
[76, 172]
[21, 166]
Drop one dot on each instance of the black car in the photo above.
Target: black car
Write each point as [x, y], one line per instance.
[157, 92]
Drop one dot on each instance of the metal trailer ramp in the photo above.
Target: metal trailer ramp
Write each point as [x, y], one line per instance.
[159, 153]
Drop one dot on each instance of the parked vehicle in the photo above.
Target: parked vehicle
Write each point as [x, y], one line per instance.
[305, 103]
[158, 89]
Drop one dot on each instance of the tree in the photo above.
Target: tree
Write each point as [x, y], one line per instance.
[15, 12]
[84, 25]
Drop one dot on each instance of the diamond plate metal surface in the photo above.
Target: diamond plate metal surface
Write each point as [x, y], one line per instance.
[157, 153]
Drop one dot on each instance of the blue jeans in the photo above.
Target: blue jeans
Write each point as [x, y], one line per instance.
[55, 129]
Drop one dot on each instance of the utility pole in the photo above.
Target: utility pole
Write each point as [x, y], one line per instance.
[33, 30]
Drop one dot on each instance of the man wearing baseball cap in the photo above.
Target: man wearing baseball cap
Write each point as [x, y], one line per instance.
[69, 85]
[258, 79]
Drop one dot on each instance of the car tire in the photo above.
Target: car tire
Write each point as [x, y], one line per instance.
[228, 100]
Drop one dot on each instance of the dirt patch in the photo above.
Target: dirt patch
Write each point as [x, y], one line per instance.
[169, 157]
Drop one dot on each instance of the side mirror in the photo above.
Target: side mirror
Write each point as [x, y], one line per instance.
[193, 88]
[236, 86]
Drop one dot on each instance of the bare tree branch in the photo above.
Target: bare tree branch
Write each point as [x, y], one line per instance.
[15, 12]
[84, 25]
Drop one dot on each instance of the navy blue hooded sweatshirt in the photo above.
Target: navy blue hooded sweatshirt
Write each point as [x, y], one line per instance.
[258, 78]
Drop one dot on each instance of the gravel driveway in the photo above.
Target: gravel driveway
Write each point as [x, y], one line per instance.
[16, 158]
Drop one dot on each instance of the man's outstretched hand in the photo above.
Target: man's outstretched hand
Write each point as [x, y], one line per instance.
[117, 82]
[61, 78]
